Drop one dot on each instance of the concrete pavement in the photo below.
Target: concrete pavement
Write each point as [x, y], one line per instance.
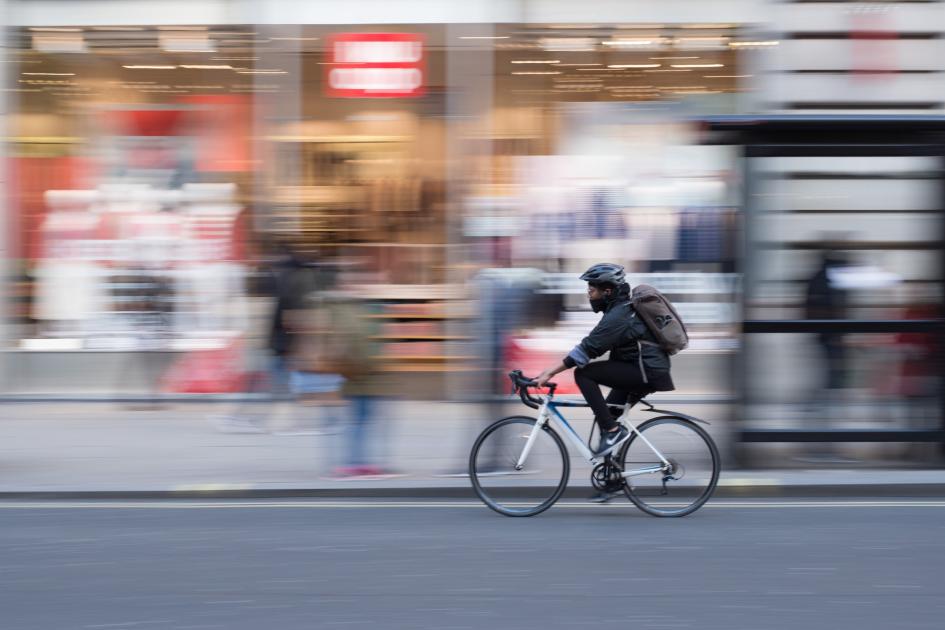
[90, 449]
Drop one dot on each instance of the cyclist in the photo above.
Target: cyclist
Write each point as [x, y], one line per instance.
[636, 366]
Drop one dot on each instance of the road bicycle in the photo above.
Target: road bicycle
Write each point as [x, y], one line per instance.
[668, 465]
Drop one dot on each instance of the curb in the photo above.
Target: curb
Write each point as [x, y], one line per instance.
[927, 490]
[166, 398]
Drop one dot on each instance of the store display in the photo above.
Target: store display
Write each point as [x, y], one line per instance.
[414, 330]
[146, 265]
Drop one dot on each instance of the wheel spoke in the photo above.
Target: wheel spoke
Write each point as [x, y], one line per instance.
[689, 480]
[493, 461]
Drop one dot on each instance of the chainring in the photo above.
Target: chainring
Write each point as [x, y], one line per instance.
[606, 477]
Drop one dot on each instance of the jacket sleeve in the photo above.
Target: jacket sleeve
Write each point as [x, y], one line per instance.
[604, 337]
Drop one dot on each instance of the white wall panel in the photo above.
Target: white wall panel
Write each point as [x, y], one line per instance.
[877, 194]
[648, 11]
[116, 12]
[846, 164]
[838, 54]
[390, 12]
[787, 228]
[865, 88]
[850, 16]
[119, 12]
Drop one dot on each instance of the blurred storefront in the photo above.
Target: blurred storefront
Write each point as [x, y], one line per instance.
[127, 218]
[155, 167]
[155, 164]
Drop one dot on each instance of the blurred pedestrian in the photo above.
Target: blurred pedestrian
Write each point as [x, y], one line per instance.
[825, 299]
[316, 358]
[508, 301]
[291, 280]
[352, 350]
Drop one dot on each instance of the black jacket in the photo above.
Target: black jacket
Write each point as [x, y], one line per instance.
[293, 283]
[824, 300]
[622, 333]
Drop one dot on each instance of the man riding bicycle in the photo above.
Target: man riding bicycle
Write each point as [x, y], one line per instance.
[637, 365]
[640, 330]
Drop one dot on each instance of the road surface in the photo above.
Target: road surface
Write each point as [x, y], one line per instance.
[277, 565]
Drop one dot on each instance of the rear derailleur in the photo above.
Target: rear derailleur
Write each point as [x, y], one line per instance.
[671, 472]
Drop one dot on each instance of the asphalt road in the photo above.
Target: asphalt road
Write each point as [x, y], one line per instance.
[285, 565]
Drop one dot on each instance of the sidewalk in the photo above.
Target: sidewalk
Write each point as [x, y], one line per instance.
[74, 450]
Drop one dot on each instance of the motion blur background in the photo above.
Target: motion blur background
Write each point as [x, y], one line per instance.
[762, 163]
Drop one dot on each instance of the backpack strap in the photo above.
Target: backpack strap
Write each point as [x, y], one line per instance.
[640, 358]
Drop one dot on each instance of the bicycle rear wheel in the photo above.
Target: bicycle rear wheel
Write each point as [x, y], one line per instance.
[680, 488]
[526, 492]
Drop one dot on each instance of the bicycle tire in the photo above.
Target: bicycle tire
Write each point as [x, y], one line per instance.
[491, 501]
[634, 493]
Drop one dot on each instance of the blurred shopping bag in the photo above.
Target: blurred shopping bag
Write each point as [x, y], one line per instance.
[212, 371]
[531, 356]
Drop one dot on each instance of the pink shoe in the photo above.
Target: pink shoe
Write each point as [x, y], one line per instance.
[370, 471]
[376, 472]
[346, 472]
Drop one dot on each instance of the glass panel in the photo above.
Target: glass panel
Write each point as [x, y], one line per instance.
[852, 239]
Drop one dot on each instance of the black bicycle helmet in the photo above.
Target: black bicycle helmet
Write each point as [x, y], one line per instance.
[605, 273]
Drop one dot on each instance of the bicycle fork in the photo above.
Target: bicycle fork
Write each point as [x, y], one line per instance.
[539, 424]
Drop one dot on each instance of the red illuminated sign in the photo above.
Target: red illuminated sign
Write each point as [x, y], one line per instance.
[375, 65]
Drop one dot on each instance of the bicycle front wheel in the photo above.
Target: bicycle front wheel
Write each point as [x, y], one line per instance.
[516, 490]
[682, 483]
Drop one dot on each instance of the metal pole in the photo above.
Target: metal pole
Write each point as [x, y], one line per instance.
[6, 268]
[746, 257]
[941, 306]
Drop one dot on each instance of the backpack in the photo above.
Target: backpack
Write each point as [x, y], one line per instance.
[661, 318]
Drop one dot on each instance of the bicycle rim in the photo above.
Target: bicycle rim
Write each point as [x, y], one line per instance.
[691, 478]
[525, 492]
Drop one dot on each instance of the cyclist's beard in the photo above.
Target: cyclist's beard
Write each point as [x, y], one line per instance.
[598, 305]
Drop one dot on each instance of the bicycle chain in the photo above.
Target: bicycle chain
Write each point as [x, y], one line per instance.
[606, 477]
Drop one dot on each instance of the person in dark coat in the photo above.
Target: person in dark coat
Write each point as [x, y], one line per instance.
[825, 300]
[637, 365]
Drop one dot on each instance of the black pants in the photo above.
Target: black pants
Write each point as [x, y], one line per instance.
[623, 379]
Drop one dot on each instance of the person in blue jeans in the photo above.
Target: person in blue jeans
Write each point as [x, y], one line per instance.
[365, 386]
[360, 461]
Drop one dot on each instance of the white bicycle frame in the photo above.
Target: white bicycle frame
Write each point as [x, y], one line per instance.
[548, 413]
